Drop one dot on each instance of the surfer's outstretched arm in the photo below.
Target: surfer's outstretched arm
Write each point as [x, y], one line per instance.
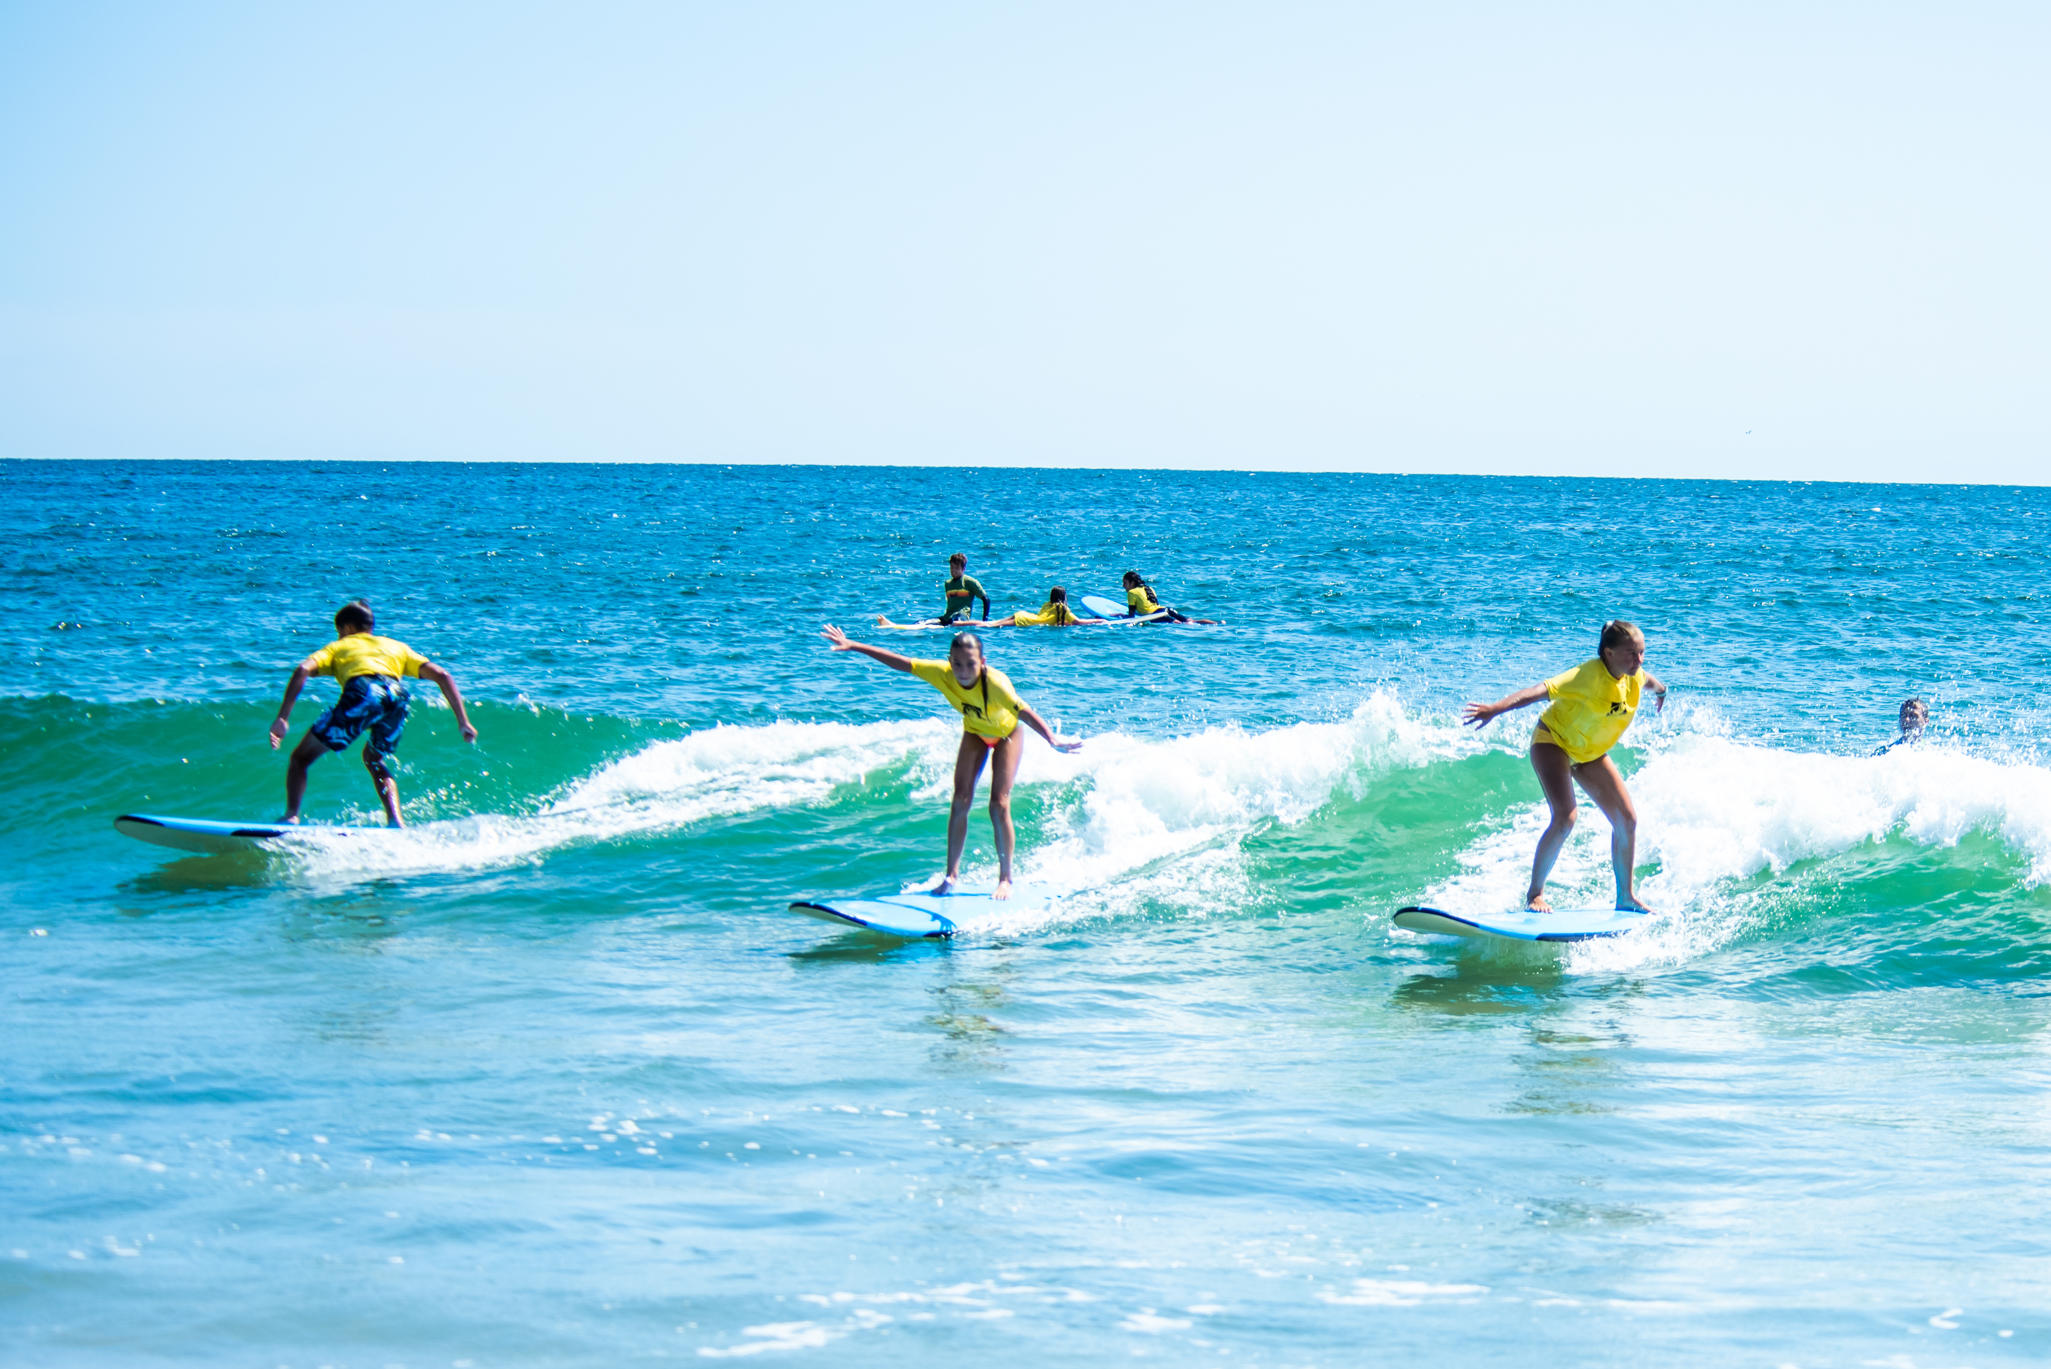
[1481, 715]
[840, 642]
[431, 671]
[1658, 692]
[1039, 725]
[300, 675]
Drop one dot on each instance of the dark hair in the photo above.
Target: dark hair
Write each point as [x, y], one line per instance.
[1616, 632]
[1058, 595]
[961, 637]
[1131, 578]
[355, 616]
[958, 556]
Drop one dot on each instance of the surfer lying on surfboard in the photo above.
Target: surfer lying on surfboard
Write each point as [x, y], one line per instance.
[1141, 603]
[991, 711]
[1591, 706]
[1054, 613]
[374, 698]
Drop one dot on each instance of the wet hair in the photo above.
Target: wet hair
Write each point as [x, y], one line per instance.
[961, 637]
[355, 616]
[1616, 632]
[1917, 704]
[1057, 595]
[958, 559]
[1132, 578]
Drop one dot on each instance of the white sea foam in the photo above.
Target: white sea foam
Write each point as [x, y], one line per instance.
[1161, 821]
[1174, 809]
[719, 772]
[1713, 811]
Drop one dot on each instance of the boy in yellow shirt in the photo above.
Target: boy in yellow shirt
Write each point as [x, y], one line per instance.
[371, 671]
[991, 711]
[1591, 706]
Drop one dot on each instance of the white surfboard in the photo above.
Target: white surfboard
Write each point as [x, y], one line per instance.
[919, 915]
[1521, 924]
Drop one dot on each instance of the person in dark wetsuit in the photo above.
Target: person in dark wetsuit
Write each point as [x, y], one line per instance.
[1913, 718]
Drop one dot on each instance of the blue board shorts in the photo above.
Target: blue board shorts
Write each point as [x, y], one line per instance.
[376, 703]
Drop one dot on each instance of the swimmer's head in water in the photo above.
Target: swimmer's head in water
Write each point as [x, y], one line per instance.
[965, 656]
[1915, 715]
[1622, 647]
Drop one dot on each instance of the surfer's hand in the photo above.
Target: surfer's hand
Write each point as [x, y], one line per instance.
[1477, 715]
[469, 733]
[277, 732]
[1067, 746]
[1659, 702]
[837, 638]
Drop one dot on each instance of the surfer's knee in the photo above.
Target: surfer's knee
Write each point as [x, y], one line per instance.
[1563, 818]
[1000, 805]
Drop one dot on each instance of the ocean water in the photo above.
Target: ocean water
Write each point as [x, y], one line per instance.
[553, 1078]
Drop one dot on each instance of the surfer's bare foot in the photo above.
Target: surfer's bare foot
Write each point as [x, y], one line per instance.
[945, 886]
[1632, 904]
[289, 820]
[1003, 889]
[1537, 903]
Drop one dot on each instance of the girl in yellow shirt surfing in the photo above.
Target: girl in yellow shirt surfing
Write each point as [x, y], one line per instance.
[991, 711]
[1591, 706]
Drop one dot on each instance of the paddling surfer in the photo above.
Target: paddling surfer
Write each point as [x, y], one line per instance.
[991, 711]
[1054, 613]
[1140, 602]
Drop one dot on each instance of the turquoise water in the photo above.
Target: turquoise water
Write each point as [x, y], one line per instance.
[553, 1078]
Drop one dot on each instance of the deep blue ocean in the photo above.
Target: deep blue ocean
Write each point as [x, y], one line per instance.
[555, 1078]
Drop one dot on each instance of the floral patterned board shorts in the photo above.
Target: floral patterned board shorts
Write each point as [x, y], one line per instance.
[376, 703]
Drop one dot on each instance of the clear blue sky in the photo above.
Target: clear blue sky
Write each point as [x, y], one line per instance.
[1738, 240]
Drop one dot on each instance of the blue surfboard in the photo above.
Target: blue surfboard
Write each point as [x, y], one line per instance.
[1521, 924]
[1104, 607]
[918, 915]
[210, 838]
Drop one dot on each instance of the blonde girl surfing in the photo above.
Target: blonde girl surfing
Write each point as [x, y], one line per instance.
[991, 711]
[1591, 706]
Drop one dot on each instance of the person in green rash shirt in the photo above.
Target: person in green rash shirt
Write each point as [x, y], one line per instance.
[961, 592]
